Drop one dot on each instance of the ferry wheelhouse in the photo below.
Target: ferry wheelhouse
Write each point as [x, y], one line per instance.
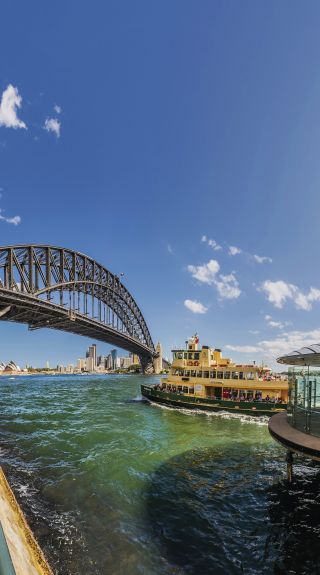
[204, 379]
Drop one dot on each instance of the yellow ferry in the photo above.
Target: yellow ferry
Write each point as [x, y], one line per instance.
[203, 379]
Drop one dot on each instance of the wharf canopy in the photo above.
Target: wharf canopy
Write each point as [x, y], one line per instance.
[299, 429]
[305, 356]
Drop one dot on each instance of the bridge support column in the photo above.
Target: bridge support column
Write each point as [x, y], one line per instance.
[147, 364]
[157, 360]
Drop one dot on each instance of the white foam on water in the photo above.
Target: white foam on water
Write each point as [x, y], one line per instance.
[261, 420]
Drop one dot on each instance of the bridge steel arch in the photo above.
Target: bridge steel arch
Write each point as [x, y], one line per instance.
[58, 288]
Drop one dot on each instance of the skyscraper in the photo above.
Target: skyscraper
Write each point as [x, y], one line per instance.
[114, 358]
[92, 356]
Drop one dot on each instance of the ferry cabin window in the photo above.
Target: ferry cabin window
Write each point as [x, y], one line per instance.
[199, 373]
[190, 355]
[191, 389]
[241, 375]
[206, 374]
[187, 373]
[179, 387]
[197, 355]
[180, 372]
[213, 374]
[235, 375]
[185, 356]
[193, 373]
[185, 390]
[178, 355]
[227, 375]
[220, 374]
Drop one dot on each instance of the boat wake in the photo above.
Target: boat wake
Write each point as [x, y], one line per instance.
[256, 419]
[138, 399]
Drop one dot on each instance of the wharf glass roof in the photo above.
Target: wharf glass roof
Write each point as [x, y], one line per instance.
[309, 355]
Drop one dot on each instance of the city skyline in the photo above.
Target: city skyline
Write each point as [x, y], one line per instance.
[205, 195]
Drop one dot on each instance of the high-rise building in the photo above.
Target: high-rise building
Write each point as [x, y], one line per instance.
[101, 361]
[109, 361]
[114, 358]
[125, 362]
[90, 364]
[135, 358]
[92, 355]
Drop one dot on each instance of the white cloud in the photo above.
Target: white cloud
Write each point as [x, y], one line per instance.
[57, 109]
[169, 248]
[10, 101]
[212, 243]
[285, 342]
[233, 251]
[289, 341]
[227, 285]
[244, 348]
[279, 324]
[205, 273]
[279, 292]
[52, 125]
[262, 259]
[254, 331]
[15, 220]
[195, 306]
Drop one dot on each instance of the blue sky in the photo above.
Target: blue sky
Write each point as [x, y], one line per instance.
[155, 136]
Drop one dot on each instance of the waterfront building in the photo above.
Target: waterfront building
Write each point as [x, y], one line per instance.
[125, 362]
[135, 359]
[10, 367]
[298, 430]
[81, 364]
[90, 366]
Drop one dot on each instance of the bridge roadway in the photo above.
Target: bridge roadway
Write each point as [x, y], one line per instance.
[46, 286]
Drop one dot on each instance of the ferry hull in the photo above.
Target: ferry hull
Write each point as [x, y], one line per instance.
[206, 404]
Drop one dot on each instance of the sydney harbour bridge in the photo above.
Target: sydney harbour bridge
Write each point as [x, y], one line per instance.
[58, 288]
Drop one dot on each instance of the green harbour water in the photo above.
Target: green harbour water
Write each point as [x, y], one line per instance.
[114, 485]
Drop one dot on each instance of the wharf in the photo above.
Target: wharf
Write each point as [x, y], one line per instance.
[293, 439]
[20, 553]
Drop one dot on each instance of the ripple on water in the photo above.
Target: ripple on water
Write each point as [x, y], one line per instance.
[116, 486]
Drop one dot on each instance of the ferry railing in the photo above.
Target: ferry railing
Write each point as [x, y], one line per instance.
[6, 565]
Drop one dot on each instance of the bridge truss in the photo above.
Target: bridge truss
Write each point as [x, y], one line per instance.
[57, 288]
